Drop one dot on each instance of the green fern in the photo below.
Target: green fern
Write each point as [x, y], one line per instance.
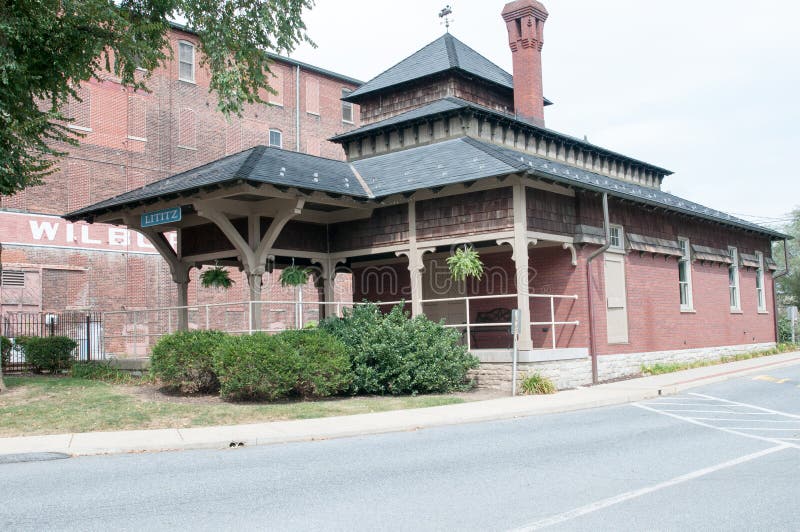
[465, 262]
[216, 277]
[294, 276]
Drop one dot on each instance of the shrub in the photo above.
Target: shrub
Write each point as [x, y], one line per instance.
[392, 353]
[321, 362]
[47, 353]
[255, 367]
[784, 329]
[5, 350]
[183, 361]
[535, 384]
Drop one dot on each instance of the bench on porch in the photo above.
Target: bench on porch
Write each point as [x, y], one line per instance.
[492, 337]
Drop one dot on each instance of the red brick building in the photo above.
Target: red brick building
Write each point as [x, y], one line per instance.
[606, 269]
[135, 138]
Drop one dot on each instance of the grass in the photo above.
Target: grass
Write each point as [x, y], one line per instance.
[535, 384]
[659, 369]
[53, 405]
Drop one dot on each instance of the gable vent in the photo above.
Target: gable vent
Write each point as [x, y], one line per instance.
[12, 278]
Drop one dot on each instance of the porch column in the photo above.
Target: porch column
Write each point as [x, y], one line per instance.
[181, 280]
[416, 267]
[254, 281]
[520, 257]
[327, 268]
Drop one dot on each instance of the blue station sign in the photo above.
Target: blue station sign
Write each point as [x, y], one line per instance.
[164, 216]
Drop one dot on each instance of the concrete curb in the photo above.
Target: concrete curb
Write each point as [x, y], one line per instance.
[93, 443]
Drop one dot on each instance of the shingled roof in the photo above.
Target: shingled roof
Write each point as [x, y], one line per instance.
[443, 54]
[432, 166]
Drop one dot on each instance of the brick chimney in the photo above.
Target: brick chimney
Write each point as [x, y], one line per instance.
[525, 24]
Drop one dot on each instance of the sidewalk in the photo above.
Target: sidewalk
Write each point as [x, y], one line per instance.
[89, 443]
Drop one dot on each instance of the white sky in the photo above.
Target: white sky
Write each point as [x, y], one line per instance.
[705, 88]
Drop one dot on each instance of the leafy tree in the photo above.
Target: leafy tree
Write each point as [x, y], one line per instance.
[47, 47]
[789, 285]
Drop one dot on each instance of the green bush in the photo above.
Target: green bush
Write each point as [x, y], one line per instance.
[184, 361]
[785, 329]
[47, 353]
[535, 384]
[5, 350]
[255, 367]
[392, 353]
[321, 362]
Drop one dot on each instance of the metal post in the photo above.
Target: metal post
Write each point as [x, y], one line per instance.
[515, 327]
[208, 326]
[469, 332]
[250, 317]
[88, 337]
[169, 321]
[135, 326]
[553, 320]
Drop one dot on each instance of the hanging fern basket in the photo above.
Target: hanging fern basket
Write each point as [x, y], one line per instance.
[465, 262]
[216, 277]
[294, 275]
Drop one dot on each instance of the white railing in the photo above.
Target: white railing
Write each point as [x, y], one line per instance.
[552, 323]
[133, 331]
[135, 328]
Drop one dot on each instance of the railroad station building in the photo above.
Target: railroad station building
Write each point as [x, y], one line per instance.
[447, 149]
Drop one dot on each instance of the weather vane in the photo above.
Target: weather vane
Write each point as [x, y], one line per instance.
[445, 13]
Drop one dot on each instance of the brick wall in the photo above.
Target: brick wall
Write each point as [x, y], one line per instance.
[134, 138]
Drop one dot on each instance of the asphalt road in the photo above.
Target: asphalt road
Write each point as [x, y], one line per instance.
[723, 457]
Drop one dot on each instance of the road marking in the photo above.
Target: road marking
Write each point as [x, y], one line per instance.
[611, 501]
[749, 420]
[796, 429]
[707, 425]
[749, 405]
[769, 378]
[713, 411]
[688, 404]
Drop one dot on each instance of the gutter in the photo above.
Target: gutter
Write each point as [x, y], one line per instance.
[603, 248]
[776, 276]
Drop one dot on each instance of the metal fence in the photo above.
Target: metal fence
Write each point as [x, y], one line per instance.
[85, 328]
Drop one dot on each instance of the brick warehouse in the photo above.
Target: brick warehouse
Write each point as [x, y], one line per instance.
[606, 269]
[134, 138]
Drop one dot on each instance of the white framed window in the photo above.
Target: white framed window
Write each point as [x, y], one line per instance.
[761, 298]
[733, 279]
[275, 138]
[347, 107]
[685, 274]
[617, 239]
[186, 61]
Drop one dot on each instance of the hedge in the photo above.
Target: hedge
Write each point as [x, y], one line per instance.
[183, 361]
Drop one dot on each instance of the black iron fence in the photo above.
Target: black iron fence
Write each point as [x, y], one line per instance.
[85, 328]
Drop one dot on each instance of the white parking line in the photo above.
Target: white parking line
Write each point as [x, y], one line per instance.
[795, 429]
[749, 420]
[707, 425]
[692, 404]
[713, 411]
[605, 503]
[747, 405]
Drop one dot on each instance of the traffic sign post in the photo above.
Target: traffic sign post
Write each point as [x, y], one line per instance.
[515, 329]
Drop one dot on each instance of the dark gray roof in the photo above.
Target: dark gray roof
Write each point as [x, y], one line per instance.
[435, 165]
[451, 104]
[260, 164]
[443, 54]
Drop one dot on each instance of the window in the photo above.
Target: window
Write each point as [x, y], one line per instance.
[617, 234]
[275, 138]
[12, 278]
[347, 107]
[685, 274]
[762, 301]
[733, 279]
[186, 61]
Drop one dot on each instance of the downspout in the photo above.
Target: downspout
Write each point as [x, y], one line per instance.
[776, 276]
[603, 248]
[297, 109]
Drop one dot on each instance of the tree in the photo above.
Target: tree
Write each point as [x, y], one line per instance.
[47, 47]
[789, 285]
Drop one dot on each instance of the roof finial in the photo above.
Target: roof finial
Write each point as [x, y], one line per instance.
[445, 13]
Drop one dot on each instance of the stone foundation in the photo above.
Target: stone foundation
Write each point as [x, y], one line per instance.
[573, 373]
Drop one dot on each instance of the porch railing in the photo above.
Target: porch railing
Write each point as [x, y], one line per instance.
[552, 323]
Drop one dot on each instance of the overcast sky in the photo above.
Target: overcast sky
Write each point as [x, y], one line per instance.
[708, 89]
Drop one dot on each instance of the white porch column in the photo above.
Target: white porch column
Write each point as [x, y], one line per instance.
[254, 282]
[181, 280]
[328, 275]
[520, 245]
[416, 267]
